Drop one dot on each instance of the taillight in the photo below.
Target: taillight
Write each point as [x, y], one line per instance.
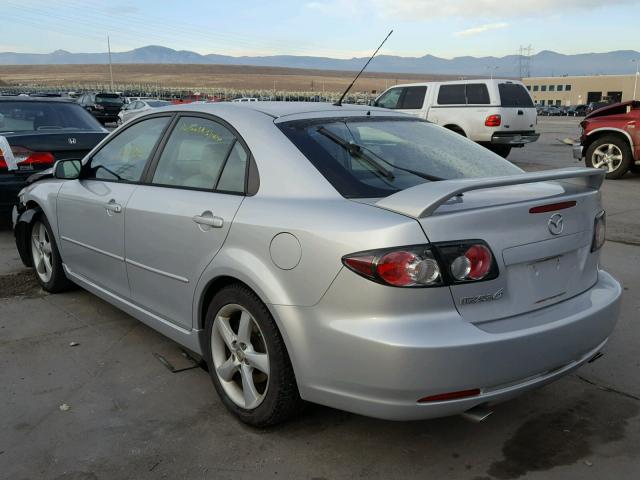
[599, 231]
[97, 106]
[24, 156]
[443, 397]
[402, 267]
[493, 121]
[426, 266]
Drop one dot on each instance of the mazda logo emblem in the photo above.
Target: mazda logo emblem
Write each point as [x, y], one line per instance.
[556, 224]
[72, 141]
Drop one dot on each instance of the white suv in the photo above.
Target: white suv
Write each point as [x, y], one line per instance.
[496, 113]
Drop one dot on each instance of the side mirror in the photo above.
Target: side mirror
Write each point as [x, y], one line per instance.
[67, 169]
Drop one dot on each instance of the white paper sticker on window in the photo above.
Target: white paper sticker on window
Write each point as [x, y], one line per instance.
[5, 151]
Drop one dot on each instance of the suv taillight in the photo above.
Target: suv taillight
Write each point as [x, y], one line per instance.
[493, 121]
[426, 265]
[24, 156]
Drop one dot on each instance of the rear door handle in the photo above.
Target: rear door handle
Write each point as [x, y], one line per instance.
[113, 207]
[208, 219]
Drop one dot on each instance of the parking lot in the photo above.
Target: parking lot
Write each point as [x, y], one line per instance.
[90, 393]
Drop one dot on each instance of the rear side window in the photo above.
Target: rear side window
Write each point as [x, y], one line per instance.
[477, 94]
[464, 94]
[514, 95]
[413, 98]
[452, 95]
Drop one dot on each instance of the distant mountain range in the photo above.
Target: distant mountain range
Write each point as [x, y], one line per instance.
[544, 63]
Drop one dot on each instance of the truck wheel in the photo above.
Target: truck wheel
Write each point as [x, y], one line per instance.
[502, 150]
[610, 153]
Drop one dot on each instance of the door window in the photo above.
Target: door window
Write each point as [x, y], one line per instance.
[413, 98]
[391, 99]
[195, 154]
[123, 158]
[477, 94]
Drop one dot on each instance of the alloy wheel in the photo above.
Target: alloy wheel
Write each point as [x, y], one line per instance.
[41, 251]
[607, 157]
[240, 356]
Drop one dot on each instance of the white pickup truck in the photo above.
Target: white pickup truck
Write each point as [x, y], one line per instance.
[496, 113]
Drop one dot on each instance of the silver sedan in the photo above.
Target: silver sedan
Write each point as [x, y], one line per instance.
[349, 256]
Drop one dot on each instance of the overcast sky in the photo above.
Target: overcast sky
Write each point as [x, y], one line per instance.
[336, 28]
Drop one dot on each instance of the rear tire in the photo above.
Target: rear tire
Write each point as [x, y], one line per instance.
[242, 341]
[502, 150]
[46, 259]
[610, 153]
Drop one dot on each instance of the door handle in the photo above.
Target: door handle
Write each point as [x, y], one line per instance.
[208, 219]
[113, 207]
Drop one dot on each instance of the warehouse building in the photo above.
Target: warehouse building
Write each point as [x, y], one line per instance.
[581, 90]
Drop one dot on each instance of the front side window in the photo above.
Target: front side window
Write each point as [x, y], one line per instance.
[414, 98]
[391, 99]
[124, 157]
[195, 154]
[375, 157]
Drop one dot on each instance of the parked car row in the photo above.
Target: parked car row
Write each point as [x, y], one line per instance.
[561, 111]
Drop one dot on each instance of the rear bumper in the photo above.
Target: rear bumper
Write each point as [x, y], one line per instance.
[381, 365]
[514, 138]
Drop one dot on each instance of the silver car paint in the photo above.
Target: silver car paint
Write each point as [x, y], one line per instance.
[354, 344]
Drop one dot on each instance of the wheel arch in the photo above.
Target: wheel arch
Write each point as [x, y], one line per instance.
[455, 128]
[598, 133]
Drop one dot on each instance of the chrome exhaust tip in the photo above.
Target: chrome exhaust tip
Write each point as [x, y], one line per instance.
[477, 414]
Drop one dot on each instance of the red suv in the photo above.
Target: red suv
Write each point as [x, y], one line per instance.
[610, 139]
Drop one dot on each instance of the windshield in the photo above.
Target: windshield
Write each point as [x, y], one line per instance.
[109, 99]
[402, 153]
[30, 116]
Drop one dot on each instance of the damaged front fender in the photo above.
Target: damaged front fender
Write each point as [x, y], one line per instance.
[22, 231]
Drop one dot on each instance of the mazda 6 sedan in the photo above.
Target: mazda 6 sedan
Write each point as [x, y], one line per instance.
[349, 256]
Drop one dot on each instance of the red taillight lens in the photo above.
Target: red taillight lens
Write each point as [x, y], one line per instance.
[468, 261]
[24, 156]
[402, 267]
[493, 121]
[599, 231]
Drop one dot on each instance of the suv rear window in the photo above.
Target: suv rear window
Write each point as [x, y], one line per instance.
[514, 95]
[109, 99]
[412, 151]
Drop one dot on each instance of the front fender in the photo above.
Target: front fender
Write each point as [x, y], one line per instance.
[22, 233]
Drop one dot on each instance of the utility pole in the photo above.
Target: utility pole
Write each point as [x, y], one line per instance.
[491, 70]
[110, 69]
[635, 81]
[524, 61]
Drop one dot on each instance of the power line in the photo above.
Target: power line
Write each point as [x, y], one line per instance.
[524, 61]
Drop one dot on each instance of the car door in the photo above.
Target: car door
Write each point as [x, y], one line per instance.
[91, 210]
[177, 222]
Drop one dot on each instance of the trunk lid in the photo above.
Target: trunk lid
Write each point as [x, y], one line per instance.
[537, 267]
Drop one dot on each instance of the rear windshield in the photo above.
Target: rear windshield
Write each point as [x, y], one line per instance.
[109, 99]
[514, 95]
[30, 116]
[157, 103]
[402, 153]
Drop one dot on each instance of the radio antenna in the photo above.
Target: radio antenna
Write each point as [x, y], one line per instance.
[339, 102]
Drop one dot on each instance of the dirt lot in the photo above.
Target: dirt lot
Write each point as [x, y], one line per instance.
[129, 416]
[205, 76]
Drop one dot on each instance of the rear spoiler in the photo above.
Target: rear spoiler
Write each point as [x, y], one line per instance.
[424, 199]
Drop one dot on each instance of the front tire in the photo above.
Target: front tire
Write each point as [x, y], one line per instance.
[247, 359]
[46, 258]
[611, 154]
